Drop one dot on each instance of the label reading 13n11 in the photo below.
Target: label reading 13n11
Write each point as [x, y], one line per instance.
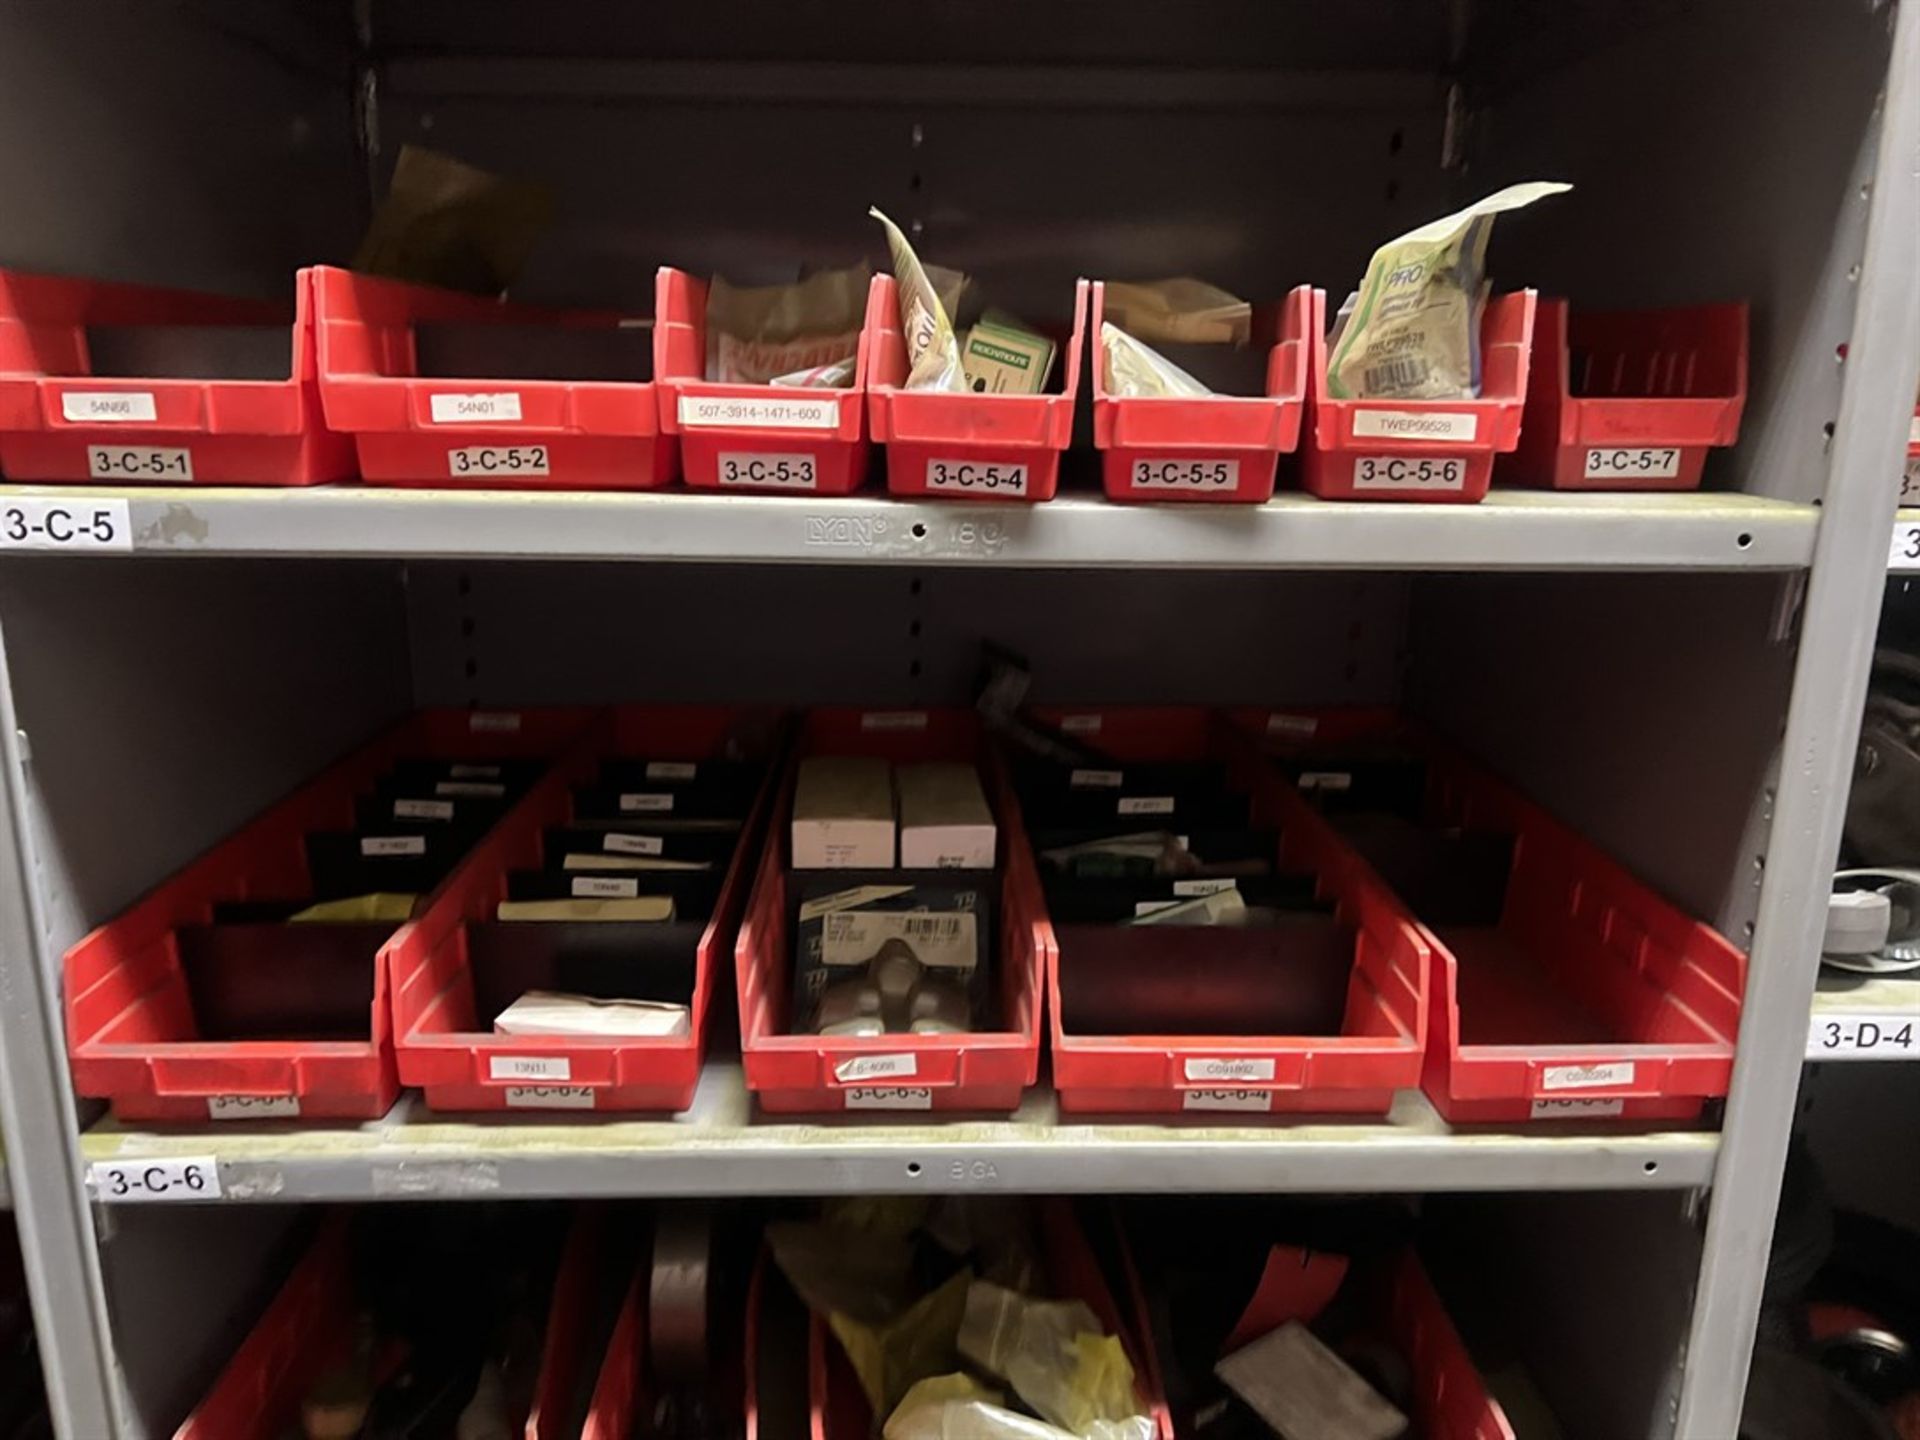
[490, 461]
[1401, 472]
[1894, 1036]
[768, 472]
[975, 477]
[139, 462]
[1201, 476]
[1632, 464]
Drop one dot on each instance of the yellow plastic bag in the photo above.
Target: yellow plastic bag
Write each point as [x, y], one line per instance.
[890, 1359]
[382, 906]
[1052, 1352]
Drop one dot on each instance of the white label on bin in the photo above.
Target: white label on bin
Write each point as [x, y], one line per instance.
[473, 409]
[605, 887]
[109, 406]
[529, 1067]
[653, 802]
[1298, 726]
[1193, 476]
[550, 1097]
[890, 1097]
[1325, 780]
[1250, 1101]
[1149, 907]
[1096, 779]
[1586, 1077]
[975, 477]
[1632, 464]
[423, 810]
[78, 525]
[390, 845]
[488, 462]
[1910, 482]
[485, 789]
[1913, 431]
[767, 472]
[894, 720]
[474, 772]
[1080, 724]
[1448, 425]
[672, 770]
[253, 1107]
[760, 412]
[876, 1067]
[190, 1177]
[1405, 472]
[1903, 554]
[1575, 1109]
[1144, 805]
[1888, 1035]
[1241, 1068]
[1204, 887]
[494, 722]
[632, 844]
[159, 463]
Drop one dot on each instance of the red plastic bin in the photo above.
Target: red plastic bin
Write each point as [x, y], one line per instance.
[1630, 399]
[312, 1323]
[1422, 450]
[980, 447]
[769, 439]
[494, 434]
[444, 1048]
[1221, 447]
[1593, 997]
[132, 1034]
[1382, 1033]
[60, 421]
[840, 1408]
[978, 1071]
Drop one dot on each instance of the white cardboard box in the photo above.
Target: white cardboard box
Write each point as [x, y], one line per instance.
[945, 823]
[843, 814]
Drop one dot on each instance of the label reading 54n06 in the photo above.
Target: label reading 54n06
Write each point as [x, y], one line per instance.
[975, 477]
[1193, 476]
[768, 472]
[1405, 472]
[488, 462]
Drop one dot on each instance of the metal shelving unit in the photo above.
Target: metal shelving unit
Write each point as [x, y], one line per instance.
[1679, 676]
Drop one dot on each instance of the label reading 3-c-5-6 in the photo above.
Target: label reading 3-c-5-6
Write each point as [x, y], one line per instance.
[1404, 472]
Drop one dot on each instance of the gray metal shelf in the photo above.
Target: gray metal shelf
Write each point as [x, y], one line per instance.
[1511, 530]
[719, 1148]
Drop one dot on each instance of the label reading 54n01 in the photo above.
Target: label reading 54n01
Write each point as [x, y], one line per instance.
[1633, 464]
[1201, 476]
[163, 464]
[492, 462]
[1404, 472]
[975, 477]
[768, 472]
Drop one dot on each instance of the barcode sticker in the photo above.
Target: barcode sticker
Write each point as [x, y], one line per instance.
[1574, 1109]
[1097, 779]
[889, 1097]
[605, 887]
[423, 810]
[672, 770]
[391, 845]
[1445, 425]
[1144, 805]
[473, 409]
[940, 941]
[650, 803]
[113, 407]
[1229, 1069]
[550, 1097]
[876, 1067]
[633, 844]
[1251, 1101]
[253, 1107]
[529, 1067]
[894, 720]
[1586, 1077]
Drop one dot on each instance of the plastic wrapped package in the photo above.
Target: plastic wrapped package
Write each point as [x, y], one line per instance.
[1133, 370]
[933, 350]
[806, 334]
[954, 1407]
[1054, 1353]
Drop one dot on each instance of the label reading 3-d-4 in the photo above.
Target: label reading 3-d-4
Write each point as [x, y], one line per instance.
[1863, 1037]
[975, 477]
[1404, 472]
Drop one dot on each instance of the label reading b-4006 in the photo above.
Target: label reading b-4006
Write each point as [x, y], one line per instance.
[1192, 476]
[975, 477]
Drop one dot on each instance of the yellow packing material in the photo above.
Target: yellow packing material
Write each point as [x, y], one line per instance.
[1052, 1352]
[381, 906]
[890, 1358]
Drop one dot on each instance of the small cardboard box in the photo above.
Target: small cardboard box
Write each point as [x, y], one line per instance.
[944, 820]
[843, 814]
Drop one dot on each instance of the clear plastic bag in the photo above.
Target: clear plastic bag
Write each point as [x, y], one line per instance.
[1052, 1352]
[933, 350]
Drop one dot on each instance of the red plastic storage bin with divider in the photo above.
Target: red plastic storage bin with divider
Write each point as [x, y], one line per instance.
[976, 1070]
[129, 385]
[457, 966]
[1570, 989]
[1378, 999]
[1629, 399]
[313, 1324]
[1216, 447]
[148, 994]
[766, 439]
[983, 447]
[442, 388]
[840, 1407]
[1424, 450]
